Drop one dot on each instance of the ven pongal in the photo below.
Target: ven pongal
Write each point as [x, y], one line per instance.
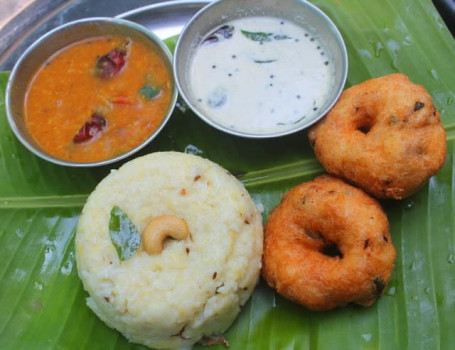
[194, 284]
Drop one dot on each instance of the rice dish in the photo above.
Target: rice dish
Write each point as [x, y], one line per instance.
[194, 287]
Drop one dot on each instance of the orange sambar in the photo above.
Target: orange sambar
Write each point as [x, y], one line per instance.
[68, 90]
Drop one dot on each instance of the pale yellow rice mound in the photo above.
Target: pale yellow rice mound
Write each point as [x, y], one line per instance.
[194, 287]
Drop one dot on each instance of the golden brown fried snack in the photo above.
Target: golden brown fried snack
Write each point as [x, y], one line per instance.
[384, 135]
[327, 244]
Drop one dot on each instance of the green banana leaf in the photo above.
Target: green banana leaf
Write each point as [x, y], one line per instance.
[42, 303]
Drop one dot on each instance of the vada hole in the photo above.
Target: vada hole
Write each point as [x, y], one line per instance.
[331, 249]
[364, 129]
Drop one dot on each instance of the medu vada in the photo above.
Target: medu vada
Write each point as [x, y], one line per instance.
[327, 244]
[384, 135]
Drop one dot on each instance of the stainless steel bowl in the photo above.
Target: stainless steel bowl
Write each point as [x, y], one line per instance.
[302, 13]
[54, 41]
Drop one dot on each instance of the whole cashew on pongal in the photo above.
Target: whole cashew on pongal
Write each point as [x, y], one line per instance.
[160, 228]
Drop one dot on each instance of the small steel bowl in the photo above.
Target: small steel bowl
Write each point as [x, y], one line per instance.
[300, 12]
[46, 46]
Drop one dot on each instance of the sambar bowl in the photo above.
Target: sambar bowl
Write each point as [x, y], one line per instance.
[44, 52]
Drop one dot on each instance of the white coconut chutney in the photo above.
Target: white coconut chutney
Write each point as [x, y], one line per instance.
[261, 75]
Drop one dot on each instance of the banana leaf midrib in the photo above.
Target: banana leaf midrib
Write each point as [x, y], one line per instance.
[43, 201]
[293, 170]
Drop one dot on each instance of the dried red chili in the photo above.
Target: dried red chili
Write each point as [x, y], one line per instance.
[112, 63]
[225, 32]
[91, 128]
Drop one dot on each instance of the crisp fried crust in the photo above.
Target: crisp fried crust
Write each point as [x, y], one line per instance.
[384, 135]
[327, 244]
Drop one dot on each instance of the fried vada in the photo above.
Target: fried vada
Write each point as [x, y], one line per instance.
[327, 244]
[384, 135]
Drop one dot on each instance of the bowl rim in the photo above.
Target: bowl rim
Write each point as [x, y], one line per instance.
[317, 11]
[112, 20]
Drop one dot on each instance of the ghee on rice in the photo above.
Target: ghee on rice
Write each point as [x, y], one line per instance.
[194, 287]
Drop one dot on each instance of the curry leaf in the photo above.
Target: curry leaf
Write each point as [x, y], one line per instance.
[281, 37]
[124, 235]
[263, 37]
[149, 92]
[257, 36]
[264, 61]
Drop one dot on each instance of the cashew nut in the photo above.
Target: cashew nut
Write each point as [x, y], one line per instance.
[159, 229]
